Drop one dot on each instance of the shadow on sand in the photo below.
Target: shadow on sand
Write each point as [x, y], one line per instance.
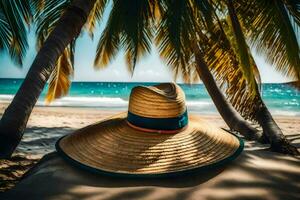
[256, 174]
[41, 140]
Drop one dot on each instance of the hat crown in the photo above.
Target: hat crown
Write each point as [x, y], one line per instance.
[166, 100]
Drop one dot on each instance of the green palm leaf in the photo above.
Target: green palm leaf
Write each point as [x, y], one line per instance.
[240, 46]
[5, 33]
[272, 33]
[38, 5]
[49, 12]
[47, 18]
[128, 26]
[223, 62]
[175, 36]
[16, 14]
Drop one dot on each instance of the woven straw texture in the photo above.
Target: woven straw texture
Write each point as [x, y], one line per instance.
[114, 146]
[162, 101]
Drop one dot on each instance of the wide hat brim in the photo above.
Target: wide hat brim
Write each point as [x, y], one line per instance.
[113, 147]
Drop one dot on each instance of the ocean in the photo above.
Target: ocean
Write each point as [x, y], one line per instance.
[281, 99]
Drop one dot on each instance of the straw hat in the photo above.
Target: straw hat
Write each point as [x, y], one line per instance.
[156, 137]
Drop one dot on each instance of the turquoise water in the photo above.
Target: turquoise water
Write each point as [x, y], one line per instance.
[280, 98]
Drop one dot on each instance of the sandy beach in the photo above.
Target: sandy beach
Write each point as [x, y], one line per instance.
[47, 124]
[151, 64]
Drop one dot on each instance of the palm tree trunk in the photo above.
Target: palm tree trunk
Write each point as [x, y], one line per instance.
[272, 132]
[15, 117]
[232, 118]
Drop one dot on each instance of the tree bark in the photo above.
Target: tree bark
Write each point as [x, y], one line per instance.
[232, 118]
[15, 117]
[272, 132]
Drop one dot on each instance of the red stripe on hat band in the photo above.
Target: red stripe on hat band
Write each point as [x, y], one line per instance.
[155, 130]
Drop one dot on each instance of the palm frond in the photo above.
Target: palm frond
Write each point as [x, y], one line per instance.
[95, 16]
[175, 36]
[59, 82]
[293, 6]
[128, 26]
[272, 34]
[5, 33]
[206, 12]
[47, 19]
[240, 46]
[109, 42]
[223, 62]
[38, 5]
[17, 15]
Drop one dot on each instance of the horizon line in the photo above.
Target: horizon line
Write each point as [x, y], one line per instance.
[95, 81]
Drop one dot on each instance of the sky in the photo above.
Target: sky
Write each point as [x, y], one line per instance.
[149, 69]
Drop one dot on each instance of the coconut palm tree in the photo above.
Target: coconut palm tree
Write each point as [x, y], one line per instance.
[272, 29]
[15, 117]
[234, 60]
[15, 16]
